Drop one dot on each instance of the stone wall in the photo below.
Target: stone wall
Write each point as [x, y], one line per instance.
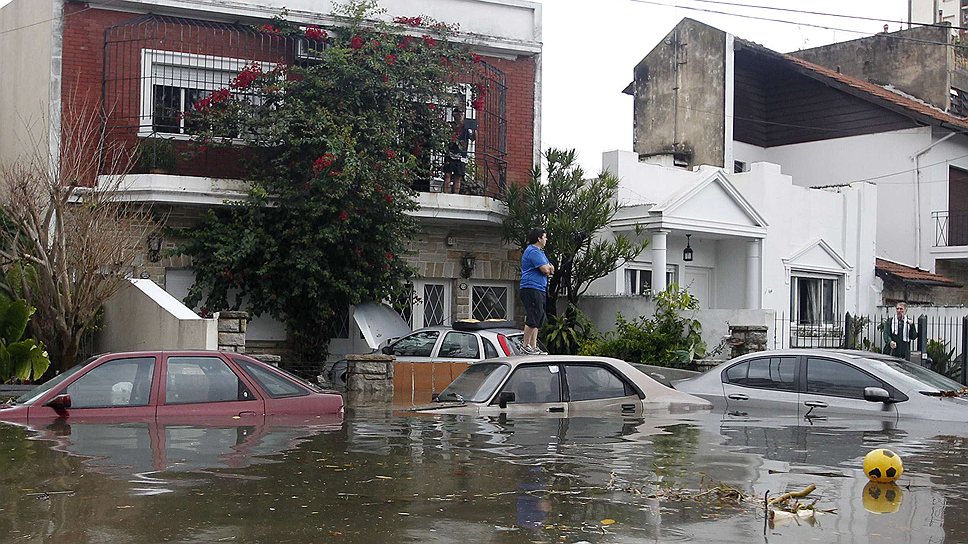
[231, 331]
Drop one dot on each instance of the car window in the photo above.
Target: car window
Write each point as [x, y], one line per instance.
[535, 383]
[838, 379]
[767, 373]
[476, 384]
[589, 382]
[419, 344]
[460, 345]
[117, 383]
[490, 351]
[275, 385]
[202, 379]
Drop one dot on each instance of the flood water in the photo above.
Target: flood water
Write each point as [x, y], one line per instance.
[388, 476]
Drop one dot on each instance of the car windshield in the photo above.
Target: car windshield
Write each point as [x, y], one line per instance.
[32, 395]
[476, 384]
[923, 375]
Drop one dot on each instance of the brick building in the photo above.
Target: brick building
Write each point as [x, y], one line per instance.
[146, 62]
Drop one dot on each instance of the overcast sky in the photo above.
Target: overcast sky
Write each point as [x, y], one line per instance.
[589, 54]
[591, 47]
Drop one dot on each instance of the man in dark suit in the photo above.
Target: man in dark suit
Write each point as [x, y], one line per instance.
[898, 333]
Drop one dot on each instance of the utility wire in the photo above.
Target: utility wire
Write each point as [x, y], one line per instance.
[797, 23]
[838, 15]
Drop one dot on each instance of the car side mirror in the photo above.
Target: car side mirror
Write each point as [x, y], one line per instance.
[504, 397]
[435, 397]
[60, 402]
[877, 394]
[387, 350]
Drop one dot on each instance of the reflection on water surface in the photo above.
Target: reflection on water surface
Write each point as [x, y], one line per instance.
[388, 476]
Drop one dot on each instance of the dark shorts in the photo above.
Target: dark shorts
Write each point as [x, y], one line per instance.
[534, 307]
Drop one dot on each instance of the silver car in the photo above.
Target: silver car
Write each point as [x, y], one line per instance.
[813, 383]
[558, 385]
[456, 344]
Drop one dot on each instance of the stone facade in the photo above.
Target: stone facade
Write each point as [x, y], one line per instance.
[231, 331]
[747, 339]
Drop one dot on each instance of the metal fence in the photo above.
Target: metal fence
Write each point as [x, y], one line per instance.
[942, 336]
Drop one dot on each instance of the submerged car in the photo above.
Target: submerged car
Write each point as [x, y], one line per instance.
[819, 382]
[143, 385]
[558, 384]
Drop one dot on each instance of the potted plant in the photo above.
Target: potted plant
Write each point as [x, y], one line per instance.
[156, 155]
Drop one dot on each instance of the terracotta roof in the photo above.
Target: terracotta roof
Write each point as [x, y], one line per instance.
[861, 87]
[909, 274]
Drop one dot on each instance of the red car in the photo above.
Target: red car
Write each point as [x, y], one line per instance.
[168, 385]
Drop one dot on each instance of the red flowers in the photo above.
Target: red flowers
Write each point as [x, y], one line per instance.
[390, 59]
[218, 96]
[270, 29]
[429, 41]
[477, 59]
[356, 42]
[388, 255]
[405, 42]
[344, 215]
[391, 154]
[478, 103]
[246, 77]
[323, 162]
[315, 33]
[408, 21]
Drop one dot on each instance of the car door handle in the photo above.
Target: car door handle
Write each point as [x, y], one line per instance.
[737, 396]
[247, 413]
[628, 408]
[557, 409]
[815, 404]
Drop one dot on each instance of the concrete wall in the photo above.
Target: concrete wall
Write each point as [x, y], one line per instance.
[142, 316]
[898, 59]
[30, 84]
[906, 197]
[680, 89]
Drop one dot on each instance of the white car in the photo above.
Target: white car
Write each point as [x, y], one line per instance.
[559, 385]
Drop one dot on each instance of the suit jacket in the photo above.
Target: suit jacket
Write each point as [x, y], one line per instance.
[890, 335]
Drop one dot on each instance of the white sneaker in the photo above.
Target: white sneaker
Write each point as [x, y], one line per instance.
[528, 350]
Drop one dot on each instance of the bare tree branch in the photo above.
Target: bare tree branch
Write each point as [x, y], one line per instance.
[67, 239]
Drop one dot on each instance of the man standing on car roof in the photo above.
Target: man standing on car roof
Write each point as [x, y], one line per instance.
[535, 271]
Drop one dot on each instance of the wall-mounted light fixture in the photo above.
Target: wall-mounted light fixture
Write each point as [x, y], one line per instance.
[687, 253]
[154, 248]
[467, 263]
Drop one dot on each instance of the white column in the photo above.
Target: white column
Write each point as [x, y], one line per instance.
[754, 274]
[659, 258]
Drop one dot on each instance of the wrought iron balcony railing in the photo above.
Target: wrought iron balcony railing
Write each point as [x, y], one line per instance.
[950, 228]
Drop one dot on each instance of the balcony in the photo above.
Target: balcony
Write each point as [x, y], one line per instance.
[151, 81]
[950, 228]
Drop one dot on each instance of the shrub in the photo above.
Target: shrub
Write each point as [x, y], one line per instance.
[666, 339]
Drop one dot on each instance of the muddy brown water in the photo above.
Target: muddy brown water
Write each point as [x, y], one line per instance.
[384, 475]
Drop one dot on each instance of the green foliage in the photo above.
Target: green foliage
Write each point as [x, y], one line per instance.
[666, 339]
[856, 327]
[942, 358]
[566, 333]
[575, 211]
[333, 148]
[20, 358]
[156, 154]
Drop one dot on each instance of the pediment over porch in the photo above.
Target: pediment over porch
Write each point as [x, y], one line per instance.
[710, 205]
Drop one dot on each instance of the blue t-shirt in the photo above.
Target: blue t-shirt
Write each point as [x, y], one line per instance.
[531, 277]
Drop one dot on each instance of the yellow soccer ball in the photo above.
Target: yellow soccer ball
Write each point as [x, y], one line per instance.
[883, 466]
[882, 498]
